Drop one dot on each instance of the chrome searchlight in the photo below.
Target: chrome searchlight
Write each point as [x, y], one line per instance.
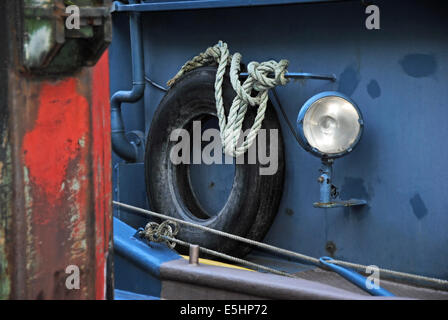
[330, 126]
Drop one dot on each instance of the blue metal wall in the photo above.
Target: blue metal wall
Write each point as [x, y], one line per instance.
[398, 76]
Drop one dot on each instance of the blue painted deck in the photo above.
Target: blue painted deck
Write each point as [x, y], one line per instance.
[137, 264]
[397, 75]
[126, 295]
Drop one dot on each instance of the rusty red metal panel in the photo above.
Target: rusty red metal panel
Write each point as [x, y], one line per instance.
[55, 175]
[102, 176]
[55, 151]
[62, 178]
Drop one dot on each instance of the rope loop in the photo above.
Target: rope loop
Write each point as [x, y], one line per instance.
[262, 77]
[155, 232]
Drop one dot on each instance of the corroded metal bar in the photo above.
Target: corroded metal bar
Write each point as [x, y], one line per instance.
[55, 177]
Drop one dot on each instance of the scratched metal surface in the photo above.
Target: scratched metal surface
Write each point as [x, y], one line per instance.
[398, 77]
[55, 177]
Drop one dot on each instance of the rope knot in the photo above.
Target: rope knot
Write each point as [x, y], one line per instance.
[262, 77]
[155, 232]
[268, 74]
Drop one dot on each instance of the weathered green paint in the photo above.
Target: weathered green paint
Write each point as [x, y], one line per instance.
[50, 48]
[39, 42]
[39, 3]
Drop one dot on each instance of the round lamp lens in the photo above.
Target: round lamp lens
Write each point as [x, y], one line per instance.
[332, 125]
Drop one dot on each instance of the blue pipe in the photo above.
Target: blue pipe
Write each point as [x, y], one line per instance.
[355, 278]
[120, 144]
[302, 75]
[325, 181]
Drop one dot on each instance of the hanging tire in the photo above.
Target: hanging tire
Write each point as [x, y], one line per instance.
[254, 198]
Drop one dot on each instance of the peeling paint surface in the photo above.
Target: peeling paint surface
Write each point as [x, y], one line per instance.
[52, 157]
[63, 187]
[62, 121]
[55, 206]
[38, 44]
[102, 173]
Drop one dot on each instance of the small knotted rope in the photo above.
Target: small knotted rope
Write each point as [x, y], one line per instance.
[155, 232]
[262, 77]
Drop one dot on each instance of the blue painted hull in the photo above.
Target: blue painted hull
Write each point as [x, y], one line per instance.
[398, 77]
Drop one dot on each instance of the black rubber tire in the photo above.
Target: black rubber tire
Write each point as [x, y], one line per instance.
[254, 199]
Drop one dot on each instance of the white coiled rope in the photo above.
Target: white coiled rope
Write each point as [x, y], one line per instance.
[262, 77]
